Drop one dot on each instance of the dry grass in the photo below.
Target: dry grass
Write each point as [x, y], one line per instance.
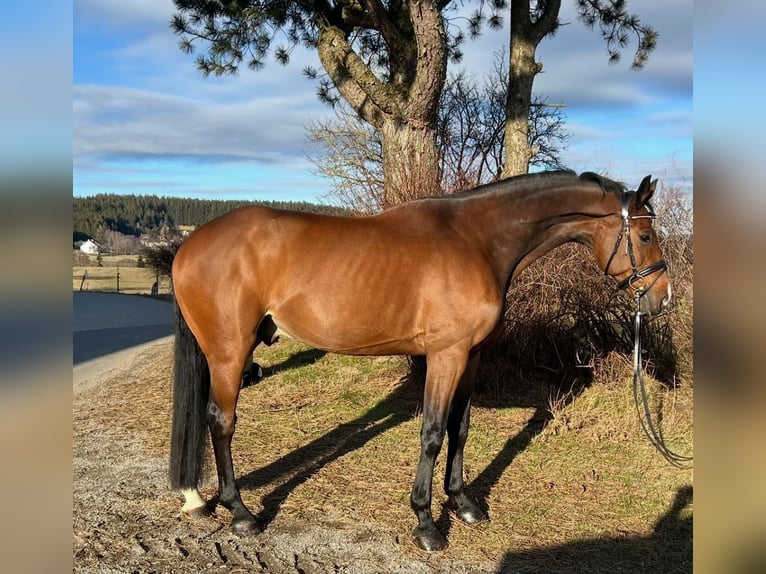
[133, 280]
[334, 440]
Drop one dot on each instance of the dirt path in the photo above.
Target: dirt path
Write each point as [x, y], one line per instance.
[126, 519]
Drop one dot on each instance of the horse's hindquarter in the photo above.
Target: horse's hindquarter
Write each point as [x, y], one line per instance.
[395, 283]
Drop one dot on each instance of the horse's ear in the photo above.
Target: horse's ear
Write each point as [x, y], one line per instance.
[645, 190]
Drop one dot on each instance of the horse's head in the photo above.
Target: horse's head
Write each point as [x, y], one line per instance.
[629, 251]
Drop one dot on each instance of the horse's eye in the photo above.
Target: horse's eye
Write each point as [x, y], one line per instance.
[645, 238]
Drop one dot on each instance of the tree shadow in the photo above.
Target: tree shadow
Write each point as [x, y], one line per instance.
[667, 549]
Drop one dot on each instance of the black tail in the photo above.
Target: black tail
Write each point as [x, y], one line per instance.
[191, 388]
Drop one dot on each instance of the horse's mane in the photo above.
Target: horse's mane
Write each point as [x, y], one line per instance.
[616, 187]
[542, 179]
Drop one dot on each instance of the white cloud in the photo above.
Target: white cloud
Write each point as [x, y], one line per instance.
[112, 120]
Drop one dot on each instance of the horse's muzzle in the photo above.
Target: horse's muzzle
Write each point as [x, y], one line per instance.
[654, 300]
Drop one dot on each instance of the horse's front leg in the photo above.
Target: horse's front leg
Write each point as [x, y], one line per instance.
[443, 373]
[458, 422]
[221, 416]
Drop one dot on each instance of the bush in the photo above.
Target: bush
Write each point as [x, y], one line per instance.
[160, 257]
[564, 317]
[566, 324]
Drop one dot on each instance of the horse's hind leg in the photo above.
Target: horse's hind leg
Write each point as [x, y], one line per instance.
[221, 415]
[464, 506]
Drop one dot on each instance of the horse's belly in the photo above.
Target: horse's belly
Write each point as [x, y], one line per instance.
[343, 333]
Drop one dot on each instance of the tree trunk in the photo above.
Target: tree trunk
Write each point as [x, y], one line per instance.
[525, 36]
[403, 110]
[522, 71]
[410, 162]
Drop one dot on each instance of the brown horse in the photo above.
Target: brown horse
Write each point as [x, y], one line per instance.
[424, 278]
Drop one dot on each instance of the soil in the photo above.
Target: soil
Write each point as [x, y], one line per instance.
[126, 518]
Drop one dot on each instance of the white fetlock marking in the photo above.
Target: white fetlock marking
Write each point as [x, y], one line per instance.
[192, 500]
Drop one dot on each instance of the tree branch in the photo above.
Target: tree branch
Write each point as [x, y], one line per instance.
[614, 23]
[364, 92]
[431, 68]
[547, 21]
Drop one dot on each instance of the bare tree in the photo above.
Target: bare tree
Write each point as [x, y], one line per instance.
[547, 135]
[470, 134]
[121, 244]
[349, 153]
[472, 123]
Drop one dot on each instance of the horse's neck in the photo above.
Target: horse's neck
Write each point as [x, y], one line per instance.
[521, 227]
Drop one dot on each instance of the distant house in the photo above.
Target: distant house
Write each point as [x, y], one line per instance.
[90, 247]
[152, 243]
[185, 230]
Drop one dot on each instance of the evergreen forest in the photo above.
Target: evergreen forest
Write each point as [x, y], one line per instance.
[137, 215]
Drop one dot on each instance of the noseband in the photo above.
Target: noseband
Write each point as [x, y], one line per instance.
[637, 274]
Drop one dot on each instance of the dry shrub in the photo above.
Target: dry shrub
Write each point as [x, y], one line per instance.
[160, 257]
[564, 318]
[561, 316]
[675, 225]
[566, 324]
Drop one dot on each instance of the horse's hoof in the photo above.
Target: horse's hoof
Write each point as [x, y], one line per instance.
[197, 513]
[429, 539]
[471, 515]
[245, 527]
[466, 509]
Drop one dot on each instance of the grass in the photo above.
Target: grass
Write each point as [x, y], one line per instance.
[569, 481]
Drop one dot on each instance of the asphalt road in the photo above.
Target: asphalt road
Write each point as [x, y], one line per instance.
[108, 328]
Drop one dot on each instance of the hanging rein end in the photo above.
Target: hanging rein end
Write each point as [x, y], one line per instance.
[639, 387]
[640, 397]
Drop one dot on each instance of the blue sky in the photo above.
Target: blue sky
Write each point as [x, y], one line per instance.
[146, 122]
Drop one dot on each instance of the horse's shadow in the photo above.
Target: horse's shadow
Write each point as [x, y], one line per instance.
[295, 361]
[401, 405]
[295, 468]
[667, 549]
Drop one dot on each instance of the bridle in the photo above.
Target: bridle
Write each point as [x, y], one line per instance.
[639, 387]
[637, 274]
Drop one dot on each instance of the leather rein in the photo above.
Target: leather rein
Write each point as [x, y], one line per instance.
[639, 387]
